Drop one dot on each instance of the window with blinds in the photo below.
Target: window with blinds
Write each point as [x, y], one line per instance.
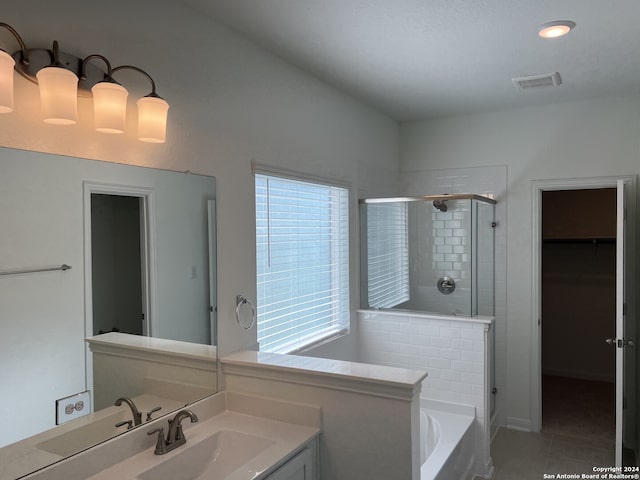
[387, 254]
[302, 249]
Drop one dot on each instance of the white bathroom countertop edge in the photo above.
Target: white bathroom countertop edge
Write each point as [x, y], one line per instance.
[482, 319]
[337, 374]
[119, 341]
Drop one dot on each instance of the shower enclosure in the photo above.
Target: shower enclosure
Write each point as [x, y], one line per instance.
[427, 280]
[430, 254]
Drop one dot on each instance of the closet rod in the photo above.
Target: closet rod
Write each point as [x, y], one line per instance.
[62, 267]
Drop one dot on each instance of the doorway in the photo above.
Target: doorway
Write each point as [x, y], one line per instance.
[132, 209]
[623, 340]
[117, 264]
[578, 282]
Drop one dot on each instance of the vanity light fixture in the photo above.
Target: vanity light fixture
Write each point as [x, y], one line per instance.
[556, 29]
[62, 78]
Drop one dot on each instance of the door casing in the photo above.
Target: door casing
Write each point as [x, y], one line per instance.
[147, 217]
[538, 186]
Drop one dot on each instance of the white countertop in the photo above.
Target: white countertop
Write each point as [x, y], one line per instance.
[151, 344]
[286, 440]
[482, 319]
[338, 374]
[27, 455]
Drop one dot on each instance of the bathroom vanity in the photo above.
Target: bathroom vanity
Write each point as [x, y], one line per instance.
[229, 446]
[237, 437]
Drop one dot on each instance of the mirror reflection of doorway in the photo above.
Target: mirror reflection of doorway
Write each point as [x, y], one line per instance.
[117, 264]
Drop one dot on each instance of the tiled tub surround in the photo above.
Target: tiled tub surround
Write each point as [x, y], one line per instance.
[288, 425]
[455, 351]
[370, 413]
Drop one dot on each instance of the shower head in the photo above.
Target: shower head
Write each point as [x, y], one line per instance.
[440, 205]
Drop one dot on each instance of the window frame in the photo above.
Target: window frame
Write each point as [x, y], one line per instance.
[343, 324]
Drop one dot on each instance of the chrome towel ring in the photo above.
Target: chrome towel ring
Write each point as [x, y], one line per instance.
[240, 302]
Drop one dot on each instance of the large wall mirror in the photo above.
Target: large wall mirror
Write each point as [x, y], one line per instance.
[141, 246]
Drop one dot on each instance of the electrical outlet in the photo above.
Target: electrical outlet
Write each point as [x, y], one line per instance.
[73, 406]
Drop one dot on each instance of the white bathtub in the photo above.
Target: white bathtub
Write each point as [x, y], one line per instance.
[446, 441]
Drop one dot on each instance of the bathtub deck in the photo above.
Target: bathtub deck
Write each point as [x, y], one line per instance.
[456, 434]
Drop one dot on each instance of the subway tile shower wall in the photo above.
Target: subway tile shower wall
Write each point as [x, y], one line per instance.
[491, 181]
[440, 247]
[452, 352]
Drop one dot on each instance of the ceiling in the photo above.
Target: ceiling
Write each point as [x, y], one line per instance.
[418, 59]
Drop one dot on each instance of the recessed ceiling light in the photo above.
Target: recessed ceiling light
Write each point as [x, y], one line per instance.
[556, 29]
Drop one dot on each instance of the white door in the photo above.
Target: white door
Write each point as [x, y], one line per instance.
[625, 333]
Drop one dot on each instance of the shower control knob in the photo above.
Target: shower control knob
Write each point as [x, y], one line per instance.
[446, 285]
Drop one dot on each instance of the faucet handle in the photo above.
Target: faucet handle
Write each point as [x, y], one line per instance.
[128, 423]
[153, 410]
[161, 446]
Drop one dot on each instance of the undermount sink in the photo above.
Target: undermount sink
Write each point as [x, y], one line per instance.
[214, 457]
[90, 434]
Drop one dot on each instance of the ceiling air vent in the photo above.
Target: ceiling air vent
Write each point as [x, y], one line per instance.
[535, 81]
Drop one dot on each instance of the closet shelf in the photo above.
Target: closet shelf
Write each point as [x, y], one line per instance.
[580, 240]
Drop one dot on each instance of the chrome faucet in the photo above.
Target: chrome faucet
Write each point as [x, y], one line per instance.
[175, 435]
[137, 415]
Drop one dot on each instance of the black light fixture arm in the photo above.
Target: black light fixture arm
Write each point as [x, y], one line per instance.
[85, 61]
[55, 55]
[132, 67]
[23, 47]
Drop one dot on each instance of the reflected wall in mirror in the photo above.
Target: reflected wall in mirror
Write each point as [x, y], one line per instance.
[46, 204]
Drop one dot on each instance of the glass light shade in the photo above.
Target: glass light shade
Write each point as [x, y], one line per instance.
[556, 29]
[6, 82]
[152, 119]
[109, 107]
[58, 95]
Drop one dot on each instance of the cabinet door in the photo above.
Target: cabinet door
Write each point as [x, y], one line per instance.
[299, 467]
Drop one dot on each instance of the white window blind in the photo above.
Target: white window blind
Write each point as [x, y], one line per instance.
[387, 254]
[302, 250]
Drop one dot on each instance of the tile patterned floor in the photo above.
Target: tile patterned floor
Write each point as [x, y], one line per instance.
[578, 433]
[527, 456]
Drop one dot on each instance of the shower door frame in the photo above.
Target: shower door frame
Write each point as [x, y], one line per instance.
[539, 186]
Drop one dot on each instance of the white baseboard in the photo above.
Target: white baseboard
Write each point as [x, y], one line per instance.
[489, 469]
[522, 424]
[494, 426]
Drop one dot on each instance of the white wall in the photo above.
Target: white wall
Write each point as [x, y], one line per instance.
[364, 436]
[231, 102]
[599, 137]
